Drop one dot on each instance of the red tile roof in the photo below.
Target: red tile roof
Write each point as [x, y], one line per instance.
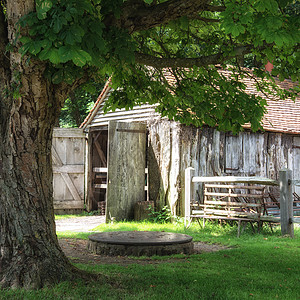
[282, 115]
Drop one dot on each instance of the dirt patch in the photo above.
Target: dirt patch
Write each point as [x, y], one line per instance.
[76, 251]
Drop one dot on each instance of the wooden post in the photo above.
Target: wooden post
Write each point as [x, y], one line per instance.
[286, 202]
[189, 173]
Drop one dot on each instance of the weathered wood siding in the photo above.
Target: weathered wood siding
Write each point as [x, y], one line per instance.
[126, 169]
[174, 147]
[68, 150]
[296, 162]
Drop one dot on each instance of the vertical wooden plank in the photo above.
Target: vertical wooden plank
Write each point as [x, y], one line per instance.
[278, 145]
[159, 162]
[126, 169]
[174, 175]
[249, 154]
[233, 153]
[165, 162]
[296, 162]
[261, 155]
[189, 149]
[88, 173]
[216, 151]
[286, 202]
[189, 173]
[153, 163]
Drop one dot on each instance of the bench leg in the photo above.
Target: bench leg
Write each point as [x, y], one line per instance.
[199, 222]
[253, 229]
[271, 226]
[259, 225]
[188, 224]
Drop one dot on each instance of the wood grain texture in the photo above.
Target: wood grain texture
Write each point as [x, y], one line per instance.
[68, 157]
[175, 147]
[126, 169]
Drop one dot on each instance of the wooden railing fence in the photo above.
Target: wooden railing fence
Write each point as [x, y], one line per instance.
[285, 183]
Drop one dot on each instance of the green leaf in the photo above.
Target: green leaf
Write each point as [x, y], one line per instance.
[46, 44]
[57, 25]
[35, 47]
[266, 5]
[25, 39]
[80, 57]
[65, 53]
[44, 54]
[69, 38]
[42, 7]
[53, 56]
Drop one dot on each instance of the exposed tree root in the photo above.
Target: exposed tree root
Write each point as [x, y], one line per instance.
[38, 274]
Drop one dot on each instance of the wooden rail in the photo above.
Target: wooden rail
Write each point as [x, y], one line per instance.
[286, 197]
[105, 170]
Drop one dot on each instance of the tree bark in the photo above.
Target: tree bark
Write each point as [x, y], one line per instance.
[30, 255]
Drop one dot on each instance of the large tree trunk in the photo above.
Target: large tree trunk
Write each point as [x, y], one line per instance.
[29, 107]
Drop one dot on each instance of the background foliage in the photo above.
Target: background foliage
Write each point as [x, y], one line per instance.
[92, 38]
[78, 105]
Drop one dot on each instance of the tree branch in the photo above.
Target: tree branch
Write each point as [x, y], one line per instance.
[136, 15]
[202, 61]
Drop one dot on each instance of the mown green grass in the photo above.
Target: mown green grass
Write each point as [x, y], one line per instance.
[256, 266]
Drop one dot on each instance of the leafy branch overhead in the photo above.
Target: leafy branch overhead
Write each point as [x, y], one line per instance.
[141, 42]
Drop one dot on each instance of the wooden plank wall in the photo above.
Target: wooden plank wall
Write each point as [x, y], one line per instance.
[173, 147]
[296, 162]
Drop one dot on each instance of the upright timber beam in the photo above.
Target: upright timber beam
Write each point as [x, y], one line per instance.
[189, 174]
[286, 202]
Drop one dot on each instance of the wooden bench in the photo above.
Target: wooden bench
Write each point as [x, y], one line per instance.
[242, 203]
[273, 206]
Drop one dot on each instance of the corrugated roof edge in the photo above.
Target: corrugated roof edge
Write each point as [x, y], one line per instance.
[99, 101]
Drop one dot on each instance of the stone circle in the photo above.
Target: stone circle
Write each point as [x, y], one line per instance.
[140, 243]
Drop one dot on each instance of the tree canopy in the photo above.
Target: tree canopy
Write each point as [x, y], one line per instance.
[50, 47]
[137, 41]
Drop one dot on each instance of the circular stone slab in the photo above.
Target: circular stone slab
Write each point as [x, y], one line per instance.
[140, 243]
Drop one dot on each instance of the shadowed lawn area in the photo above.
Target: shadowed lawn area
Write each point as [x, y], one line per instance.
[257, 266]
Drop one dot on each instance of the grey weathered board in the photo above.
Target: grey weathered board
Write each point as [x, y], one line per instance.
[126, 169]
[68, 148]
[174, 147]
[296, 162]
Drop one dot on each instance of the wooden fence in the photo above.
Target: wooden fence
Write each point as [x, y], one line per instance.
[285, 182]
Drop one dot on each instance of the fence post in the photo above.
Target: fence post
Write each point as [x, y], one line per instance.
[286, 202]
[188, 190]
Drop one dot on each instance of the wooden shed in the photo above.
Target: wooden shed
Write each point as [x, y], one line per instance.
[172, 147]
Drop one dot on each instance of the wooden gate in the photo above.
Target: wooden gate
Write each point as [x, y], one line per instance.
[68, 153]
[126, 169]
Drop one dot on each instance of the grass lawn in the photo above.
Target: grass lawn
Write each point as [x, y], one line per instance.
[257, 266]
